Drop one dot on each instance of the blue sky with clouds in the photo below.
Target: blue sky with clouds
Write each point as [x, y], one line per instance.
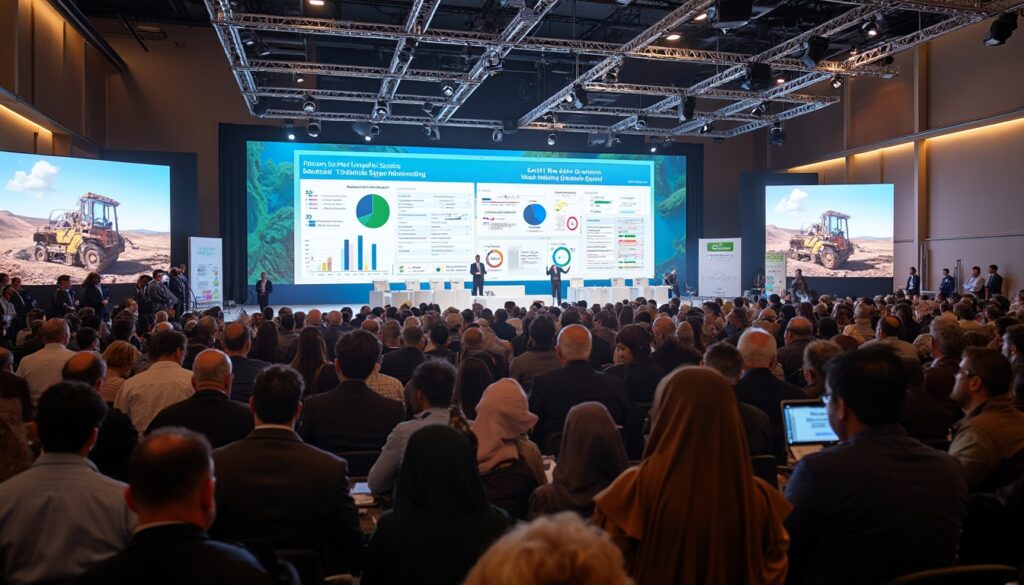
[32, 185]
[870, 207]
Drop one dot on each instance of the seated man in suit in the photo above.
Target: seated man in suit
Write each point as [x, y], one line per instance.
[726, 360]
[272, 487]
[799, 333]
[759, 387]
[401, 362]
[351, 417]
[554, 393]
[237, 343]
[879, 494]
[171, 491]
[209, 411]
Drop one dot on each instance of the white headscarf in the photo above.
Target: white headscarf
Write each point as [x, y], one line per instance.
[502, 416]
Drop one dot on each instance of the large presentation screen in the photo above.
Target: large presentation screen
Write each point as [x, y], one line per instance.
[73, 216]
[831, 230]
[351, 214]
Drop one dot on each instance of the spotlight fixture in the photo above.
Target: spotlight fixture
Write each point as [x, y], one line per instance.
[494, 66]
[777, 136]
[687, 107]
[497, 135]
[316, 2]
[673, 37]
[760, 109]
[313, 128]
[1001, 29]
[814, 51]
[428, 108]
[368, 138]
[263, 50]
[869, 28]
[569, 97]
[707, 127]
[552, 139]
[300, 78]
[578, 98]
[640, 124]
[654, 148]
[447, 90]
[365, 129]
[550, 119]
[854, 50]
[701, 17]
[308, 104]
[616, 141]
[289, 131]
[612, 76]
[780, 79]
[249, 38]
[381, 110]
[837, 81]
[431, 132]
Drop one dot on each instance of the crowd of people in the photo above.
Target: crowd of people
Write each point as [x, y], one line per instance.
[602, 444]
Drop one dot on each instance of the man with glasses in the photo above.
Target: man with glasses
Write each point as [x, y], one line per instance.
[989, 441]
[879, 494]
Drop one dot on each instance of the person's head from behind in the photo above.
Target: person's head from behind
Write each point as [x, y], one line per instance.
[864, 388]
[888, 327]
[237, 338]
[277, 396]
[357, 354]
[632, 345]
[170, 478]
[120, 356]
[947, 339]
[6, 360]
[55, 331]
[983, 374]
[167, 345]
[1013, 342]
[68, 418]
[758, 349]
[87, 367]
[433, 382]
[472, 378]
[473, 338]
[816, 355]
[390, 333]
[88, 339]
[574, 344]
[211, 370]
[724, 359]
[798, 328]
[542, 331]
[551, 550]
[311, 348]
[412, 337]
[439, 336]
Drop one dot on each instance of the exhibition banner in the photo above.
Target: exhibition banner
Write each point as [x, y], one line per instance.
[205, 271]
[719, 265]
[774, 273]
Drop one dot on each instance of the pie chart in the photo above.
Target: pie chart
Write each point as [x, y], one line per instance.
[535, 214]
[373, 211]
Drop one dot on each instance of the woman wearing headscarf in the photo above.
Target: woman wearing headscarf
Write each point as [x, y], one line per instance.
[473, 377]
[590, 458]
[509, 463]
[692, 512]
[441, 522]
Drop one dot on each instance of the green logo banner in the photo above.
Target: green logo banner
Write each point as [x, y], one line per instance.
[721, 246]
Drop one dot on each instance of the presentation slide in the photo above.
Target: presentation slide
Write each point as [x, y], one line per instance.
[352, 214]
[74, 216]
[808, 424]
[831, 230]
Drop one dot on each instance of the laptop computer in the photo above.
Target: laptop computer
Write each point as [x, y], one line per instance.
[807, 427]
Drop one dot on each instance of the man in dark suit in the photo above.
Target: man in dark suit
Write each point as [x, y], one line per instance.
[878, 494]
[799, 333]
[668, 352]
[351, 417]
[335, 329]
[12, 386]
[554, 393]
[172, 492]
[263, 289]
[272, 487]
[401, 363]
[913, 288]
[948, 285]
[478, 270]
[501, 327]
[759, 387]
[64, 300]
[237, 342]
[994, 286]
[209, 411]
[23, 303]
[725, 359]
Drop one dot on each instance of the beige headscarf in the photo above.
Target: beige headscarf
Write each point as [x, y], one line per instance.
[502, 416]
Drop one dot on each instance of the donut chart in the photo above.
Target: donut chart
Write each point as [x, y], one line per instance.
[561, 257]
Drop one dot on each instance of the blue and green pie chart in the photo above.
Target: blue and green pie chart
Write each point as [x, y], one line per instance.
[373, 211]
[534, 214]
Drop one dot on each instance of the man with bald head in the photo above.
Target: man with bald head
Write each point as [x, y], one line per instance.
[887, 334]
[669, 352]
[799, 333]
[237, 342]
[41, 369]
[759, 387]
[554, 393]
[210, 410]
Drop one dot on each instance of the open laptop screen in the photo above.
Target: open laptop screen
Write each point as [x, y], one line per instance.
[807, 423]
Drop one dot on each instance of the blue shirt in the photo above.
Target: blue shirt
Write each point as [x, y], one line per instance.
[384, 472]
[59, 518]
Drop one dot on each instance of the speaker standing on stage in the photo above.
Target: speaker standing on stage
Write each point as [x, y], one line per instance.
[478, 270]
[799, 285]
[263, 289]
[913, 288]
[556, 272]
[671, 280]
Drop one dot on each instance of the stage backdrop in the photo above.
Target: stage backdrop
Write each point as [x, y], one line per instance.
[325, 220]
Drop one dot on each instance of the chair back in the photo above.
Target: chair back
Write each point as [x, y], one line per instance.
[766, 468]
[963, 575]
[359, 462]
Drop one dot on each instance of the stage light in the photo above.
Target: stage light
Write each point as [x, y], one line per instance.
[779, 80]
[300, 78]
[887, 60]
[431, 132]
[447, 90]
[869, 28]
[364, 129]
[260, 106]
[263, 50]
[640, 124]
[612, 76]
[368, 138]
[316, 2]
[1001, 29]
[854, 50]
[687, 107]
[428, 108]
[760, 109]
[654, 148]
[552, 139]
[308, 104]
[579, 98]
[550, 119]
[381, 110]
[494, 66]
[289, 131]
[814, 51]
[374, 130]
[707, 127]
[777, 136]
[313, 128]
[497, 135]
[756, 77]
[837, 81]
[673, 37]
[249, 38]
[701, 17]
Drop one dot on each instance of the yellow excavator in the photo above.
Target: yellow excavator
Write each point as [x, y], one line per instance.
[86, 236]
[827, 242]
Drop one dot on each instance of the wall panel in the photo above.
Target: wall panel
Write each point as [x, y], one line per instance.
[881, 109]
[48, 61]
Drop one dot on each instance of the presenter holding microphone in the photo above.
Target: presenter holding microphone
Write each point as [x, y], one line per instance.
[556, 272]
[263, 289]
[478, 270]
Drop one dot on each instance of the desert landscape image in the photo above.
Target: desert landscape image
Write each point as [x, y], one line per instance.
[871, 258]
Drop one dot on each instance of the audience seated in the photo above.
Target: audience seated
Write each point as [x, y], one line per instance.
[472, 379]
[1013, 348]
[120, 357]
[209, 411]
[799, 334]
[924, 418]
[441, 521]
[669, 352]
[888, 335]
[989, 440]
[163, 383]
[725, 359]
[15, 452]
[14, 387]
[880, 504]
[538, 357]
[509, 463]
[265, 346]
[41, 369]
[677, 523]
[273, 488]
[438, 346]
[237, 345]
[759, 387]
[432, 385]
[816, 355]
[560, 550]
[634, 365]
[554, 393]
[172, 491]
[311, 362]
[590, 458]
[401, 362]
[61, 516]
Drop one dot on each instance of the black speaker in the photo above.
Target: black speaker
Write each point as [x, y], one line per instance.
[757, 77]
[730, 13]
[814, 51]
[686, 108]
